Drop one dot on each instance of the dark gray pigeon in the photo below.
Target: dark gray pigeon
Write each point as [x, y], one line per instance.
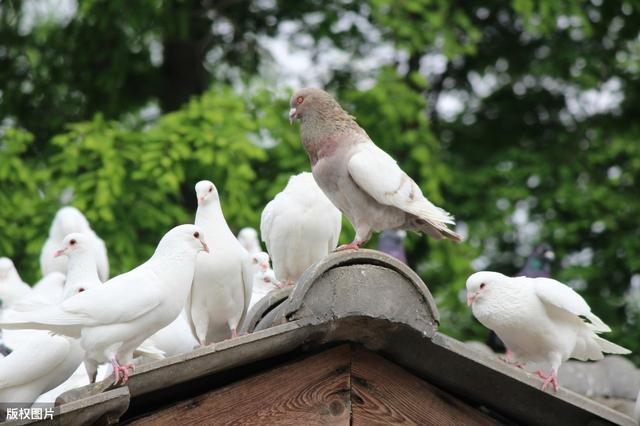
[538, 265]
[392, 242]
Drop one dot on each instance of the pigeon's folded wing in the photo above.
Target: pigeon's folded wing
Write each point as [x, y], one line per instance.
[100, 305]
[33, 359]
[555, 293]
[266, 223]
[378, 174]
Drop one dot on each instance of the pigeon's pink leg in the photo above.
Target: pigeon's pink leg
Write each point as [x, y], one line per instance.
[353, 245]
[117, 369]
[508, 358]
[550, 379]
[234, 334]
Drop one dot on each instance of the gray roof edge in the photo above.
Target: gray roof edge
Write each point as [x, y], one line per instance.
[352, 258]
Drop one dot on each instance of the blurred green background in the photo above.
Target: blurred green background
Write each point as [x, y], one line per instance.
[519, 117]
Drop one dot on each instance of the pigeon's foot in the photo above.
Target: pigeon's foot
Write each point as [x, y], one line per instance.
[353, 245]
[508, 358]
[550, 379]
[234, 333]
[121, 372]
[285, 283]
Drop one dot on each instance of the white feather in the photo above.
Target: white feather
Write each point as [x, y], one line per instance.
[299, 227]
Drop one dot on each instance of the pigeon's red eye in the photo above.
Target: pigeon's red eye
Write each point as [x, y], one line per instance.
[299, 100]
[483, 285]
[196, 234]
[72, 242]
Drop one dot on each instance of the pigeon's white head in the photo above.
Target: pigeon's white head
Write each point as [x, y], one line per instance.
[260, 260]
[185, 237]
[6, 268]
[73, 244]
[480, 284]
[206, 192]
[247, 235]
[68, 220]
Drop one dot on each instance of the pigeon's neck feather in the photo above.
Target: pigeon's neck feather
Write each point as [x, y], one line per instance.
[172, 266]
[210, 219]
[323, 133]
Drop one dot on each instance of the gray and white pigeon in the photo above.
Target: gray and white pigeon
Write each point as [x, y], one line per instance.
[539, 319]
[66, 221]
[114, 319]
[362, 180]
[299, 227]
[248, 237]
[12, 288]
[223, 280]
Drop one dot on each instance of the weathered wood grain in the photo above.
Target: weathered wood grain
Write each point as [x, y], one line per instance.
[383, 393]
[312, 391]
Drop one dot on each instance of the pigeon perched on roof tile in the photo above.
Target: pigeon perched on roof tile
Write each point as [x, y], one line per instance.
[114, 319]
[539, 319]
[222, 283]
[362, 180]
[299, 227]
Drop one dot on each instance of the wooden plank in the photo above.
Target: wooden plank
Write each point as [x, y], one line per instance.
[312, 391]
[384, 393]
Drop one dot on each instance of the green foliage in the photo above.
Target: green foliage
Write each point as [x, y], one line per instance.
[526, 143]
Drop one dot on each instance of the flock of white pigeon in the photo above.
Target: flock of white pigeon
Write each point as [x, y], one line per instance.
[199, 284]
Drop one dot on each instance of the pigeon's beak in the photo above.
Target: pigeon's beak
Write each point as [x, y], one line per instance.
[205, 247]
[264, 265]
[59, 252]
[293, 114]
[201, 200]
[470, 298]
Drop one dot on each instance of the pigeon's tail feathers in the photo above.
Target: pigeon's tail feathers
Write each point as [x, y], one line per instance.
[52, 319]
[587, 347]
[610, 347]
[596, 324]
[148, 349]
[436, 230]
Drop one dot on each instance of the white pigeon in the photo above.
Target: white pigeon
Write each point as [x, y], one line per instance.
[264, 281]
[299, 227]
[12, 288]
[113, 319]
[37, 366]
[42, 361]
[248, 237]
[539, 319]
[66, 221]
[221, 289]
